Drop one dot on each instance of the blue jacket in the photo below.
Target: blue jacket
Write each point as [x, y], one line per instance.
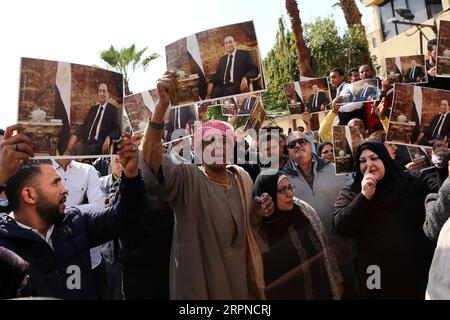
[65, 271]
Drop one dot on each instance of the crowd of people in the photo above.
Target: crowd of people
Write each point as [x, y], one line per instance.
[145, 225]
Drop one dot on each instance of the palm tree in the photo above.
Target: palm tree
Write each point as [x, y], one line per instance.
[353, 18]
[304, 59]
[351, 12]
[123, 59]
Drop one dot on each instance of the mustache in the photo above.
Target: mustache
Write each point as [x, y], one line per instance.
[63, 199]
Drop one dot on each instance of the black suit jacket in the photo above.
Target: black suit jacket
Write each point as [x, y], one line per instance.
[321, 99]
[247, 105]
[109, 127]
[371, 91]
[418, 72]
[445, 131]
[244, 66]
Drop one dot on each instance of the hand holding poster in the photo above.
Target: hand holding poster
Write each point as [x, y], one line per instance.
[216, 63]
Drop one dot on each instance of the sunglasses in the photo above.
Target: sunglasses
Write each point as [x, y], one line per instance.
[284, 190]
[292, 144]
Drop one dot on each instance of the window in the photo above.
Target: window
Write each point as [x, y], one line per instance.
[433, 8]
[422, 9]
[374, 42]
[387, 13]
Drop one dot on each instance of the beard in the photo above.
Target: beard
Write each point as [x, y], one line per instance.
[48, 211]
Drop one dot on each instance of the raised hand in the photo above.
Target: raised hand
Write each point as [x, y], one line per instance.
[263, 205]
[166, 86]
[368, 185]
[14, 149]
[128, 155]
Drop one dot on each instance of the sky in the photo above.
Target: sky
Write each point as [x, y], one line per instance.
[77, 31]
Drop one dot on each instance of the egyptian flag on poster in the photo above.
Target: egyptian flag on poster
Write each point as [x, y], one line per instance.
[62, 103]
[195, 62]
[148, 101]
[417, 111]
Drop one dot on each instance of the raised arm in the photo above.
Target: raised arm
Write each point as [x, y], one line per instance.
[151, 145]
[109, 223]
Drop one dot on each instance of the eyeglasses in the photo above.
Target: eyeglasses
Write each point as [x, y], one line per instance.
[284, 190]
[292, 144]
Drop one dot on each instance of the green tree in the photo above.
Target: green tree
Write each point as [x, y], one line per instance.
[126, 61]
[324, 42]
[328, 49]
[281, 67]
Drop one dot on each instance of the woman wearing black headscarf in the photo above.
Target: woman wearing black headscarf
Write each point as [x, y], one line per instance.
[298, 262]
[383, 211]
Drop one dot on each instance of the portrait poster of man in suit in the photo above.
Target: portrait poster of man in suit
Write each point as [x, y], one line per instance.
[443, 50]
[100, 128]
[216, 63]
[439, 128]
[317, 94]
[407, 69]
[78, 108]
[420, 116]
[294, 98]
[365, 90]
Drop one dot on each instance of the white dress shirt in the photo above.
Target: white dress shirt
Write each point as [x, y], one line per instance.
[97, 130]
[82, 179]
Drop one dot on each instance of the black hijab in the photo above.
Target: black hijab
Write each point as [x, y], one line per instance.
[395, 184]
[267, 182]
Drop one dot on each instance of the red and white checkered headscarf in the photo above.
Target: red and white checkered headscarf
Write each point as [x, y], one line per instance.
[212, 128]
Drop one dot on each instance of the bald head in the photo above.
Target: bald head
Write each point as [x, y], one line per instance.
[299, 148]
[365, 72]
[356, 122]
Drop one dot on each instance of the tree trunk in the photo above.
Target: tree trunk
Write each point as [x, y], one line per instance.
[303, 57]
[351, 12]
[353, 17]
[126, 87]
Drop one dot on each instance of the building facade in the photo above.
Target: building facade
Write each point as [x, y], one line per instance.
[387, 39]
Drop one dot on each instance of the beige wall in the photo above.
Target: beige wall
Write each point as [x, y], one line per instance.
[402, 44]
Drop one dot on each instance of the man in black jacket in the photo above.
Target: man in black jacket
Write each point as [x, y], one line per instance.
[233, 72]
[100, 127]
[54, 240]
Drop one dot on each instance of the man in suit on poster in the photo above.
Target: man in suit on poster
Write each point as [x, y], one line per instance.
[234, 72]
[367, 93]
[318, 100]
[100, 127]
[415, 73]
[439, 128]
[247, 105]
